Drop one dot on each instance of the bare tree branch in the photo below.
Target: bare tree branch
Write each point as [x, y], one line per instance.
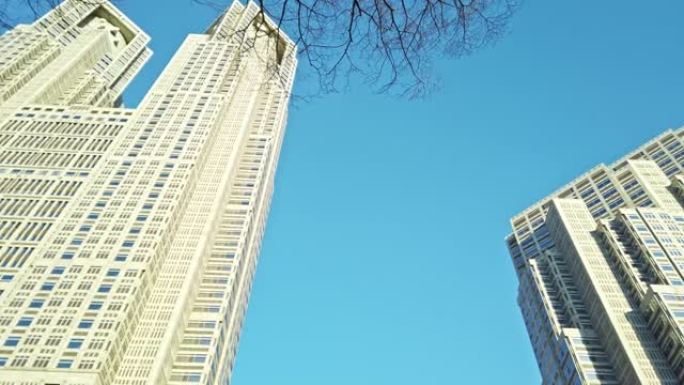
[387, 44]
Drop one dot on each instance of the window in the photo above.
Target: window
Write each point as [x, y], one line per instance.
[25, 321]
[12, 341]
[85, 324]
[75, 343]
[64, 364]
[104, 288]
[187, 377]
[47, 286]
[57, 270]
[204, 341]
[112, 272]
[96, 305]
[37, 303]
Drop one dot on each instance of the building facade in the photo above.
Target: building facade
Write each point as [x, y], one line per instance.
[600, 264]
[129, 237]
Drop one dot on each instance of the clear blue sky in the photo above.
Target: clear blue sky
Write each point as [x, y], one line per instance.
[384, 260]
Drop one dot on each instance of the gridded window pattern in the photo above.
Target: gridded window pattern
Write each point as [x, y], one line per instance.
[596, 268]
[145, 225]
[80, 53]
[46, 155]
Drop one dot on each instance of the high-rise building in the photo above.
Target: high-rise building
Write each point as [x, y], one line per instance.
[129, 237]
[601, 269]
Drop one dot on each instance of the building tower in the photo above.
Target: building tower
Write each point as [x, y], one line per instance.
[129, 237]
[601, 270]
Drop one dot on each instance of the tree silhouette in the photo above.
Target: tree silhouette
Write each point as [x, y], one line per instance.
[387, 44]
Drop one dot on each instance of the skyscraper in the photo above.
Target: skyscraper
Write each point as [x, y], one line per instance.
[601, 270]
[129, 237]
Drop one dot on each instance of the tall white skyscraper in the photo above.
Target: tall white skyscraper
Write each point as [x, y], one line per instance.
[129, 237]
[601, 270]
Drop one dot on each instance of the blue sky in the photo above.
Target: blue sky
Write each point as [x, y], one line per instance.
[384, 260]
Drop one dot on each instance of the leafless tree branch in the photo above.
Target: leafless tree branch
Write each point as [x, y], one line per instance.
[387, 44]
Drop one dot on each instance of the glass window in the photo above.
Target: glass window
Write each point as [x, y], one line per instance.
[75, 343]
[47, 286]
[37, 303]
[64, 364]
[25, 321]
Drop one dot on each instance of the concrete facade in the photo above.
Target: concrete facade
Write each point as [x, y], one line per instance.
[601, 270]
[129, 237]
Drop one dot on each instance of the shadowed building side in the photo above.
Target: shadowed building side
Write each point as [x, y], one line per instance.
[601, 270]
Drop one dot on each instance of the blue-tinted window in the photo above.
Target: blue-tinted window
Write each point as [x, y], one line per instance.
[85, 324]
[3, 361]
[64, 364]
[12, 341]
[68, 255]
[199, 358]
[95, 305]
[104, 289]
[25, 321]
[75, 343]
[194, 377]
[128, 244]
[57, 270]
[47, 286]
[120, 258]
[36, 303]
[6, 278]
[112, 272]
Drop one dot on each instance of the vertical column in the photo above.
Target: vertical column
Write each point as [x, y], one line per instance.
[623, 331]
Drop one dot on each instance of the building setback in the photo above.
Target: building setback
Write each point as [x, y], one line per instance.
[129, 237]
[600, 264]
